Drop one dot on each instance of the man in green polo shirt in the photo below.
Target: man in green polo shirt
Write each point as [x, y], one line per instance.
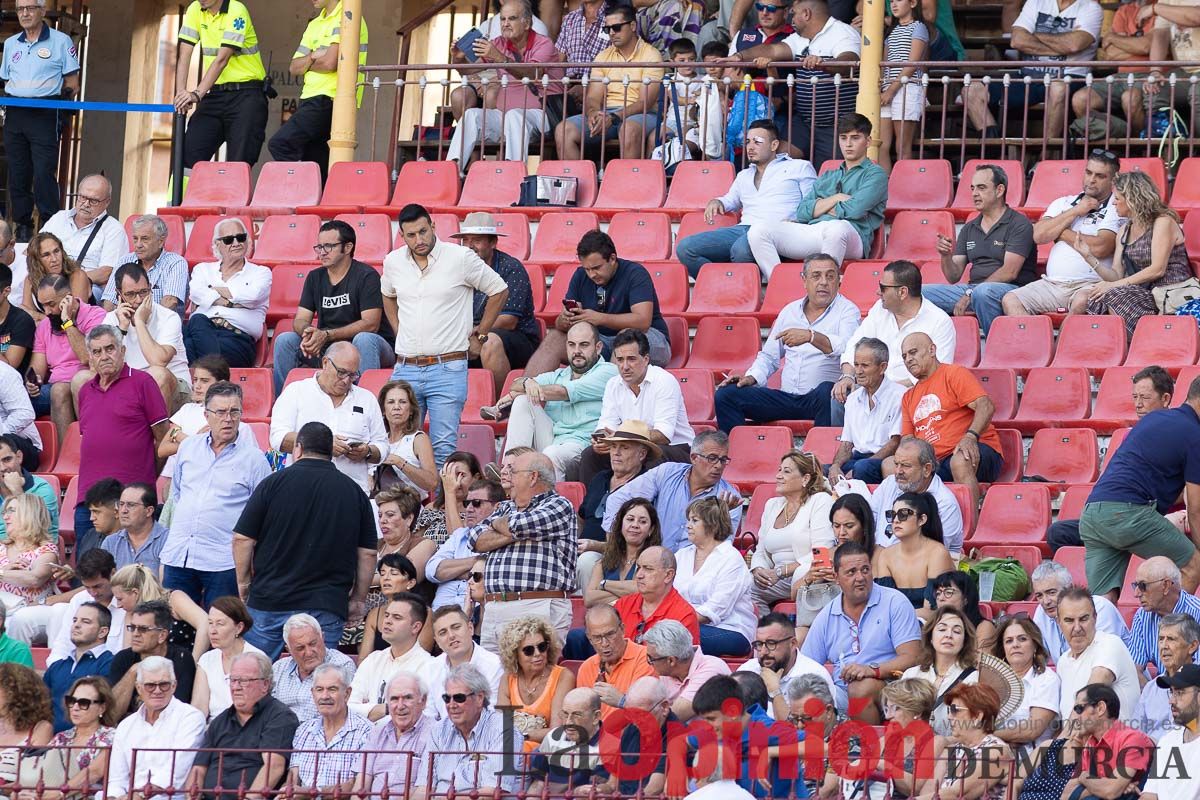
[12, 651]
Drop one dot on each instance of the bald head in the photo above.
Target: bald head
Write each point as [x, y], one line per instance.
[602, 616]
[919, 354]
[659, 555]
[581, 699]
[91, 199]
[646, 693]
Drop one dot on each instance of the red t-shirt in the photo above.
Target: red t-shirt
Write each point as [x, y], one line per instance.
[936, 410]
[673, 607]
[1122, 748]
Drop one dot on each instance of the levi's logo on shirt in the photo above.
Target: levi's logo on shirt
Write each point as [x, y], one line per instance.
[335, 301]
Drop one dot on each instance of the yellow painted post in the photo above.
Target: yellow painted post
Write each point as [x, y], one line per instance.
[869, 71]
[342, 136]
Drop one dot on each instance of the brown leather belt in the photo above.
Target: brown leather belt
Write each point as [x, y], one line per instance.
[426, 361]
[504, 597]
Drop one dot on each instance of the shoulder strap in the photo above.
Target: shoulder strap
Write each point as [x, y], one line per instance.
[91, 238]
[962, 676]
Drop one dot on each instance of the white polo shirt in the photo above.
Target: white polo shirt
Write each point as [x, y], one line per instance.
[167, 329]
[1105, 651]
[658, 403]
[881, 324]
[1065, 264]
[867, 429]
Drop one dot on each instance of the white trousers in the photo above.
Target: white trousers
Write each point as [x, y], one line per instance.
[496, 615]
[530, 426]
[794, 241]
[518, 124]
[33, 624]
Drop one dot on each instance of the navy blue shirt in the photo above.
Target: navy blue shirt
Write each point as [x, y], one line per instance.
[1157, 458]
[62, 673]
[630, 284]
[520, 295]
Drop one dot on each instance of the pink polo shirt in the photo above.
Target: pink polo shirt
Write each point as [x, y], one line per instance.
[57, 348]
[703, 667]
[539, 49]
[114, 424]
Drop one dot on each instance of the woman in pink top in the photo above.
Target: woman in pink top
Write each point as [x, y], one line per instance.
[28, 559]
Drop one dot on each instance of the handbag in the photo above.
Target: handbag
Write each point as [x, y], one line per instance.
[939, 719]
[549, 190]
[811, 598]
[1172, 297]
[45, 765]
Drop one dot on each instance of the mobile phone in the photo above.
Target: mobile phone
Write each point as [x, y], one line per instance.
[32, 377]
[821, 558]
[466, 45]
[572, 305]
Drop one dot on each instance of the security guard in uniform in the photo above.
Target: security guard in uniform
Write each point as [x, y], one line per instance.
[230, 103]
[38, 63]
[305, 136]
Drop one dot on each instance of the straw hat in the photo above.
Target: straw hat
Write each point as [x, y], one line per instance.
[636, 432]
[478, 223]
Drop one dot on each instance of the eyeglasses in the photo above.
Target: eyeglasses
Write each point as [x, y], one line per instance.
[140, 294]
[650, 660]
[83, 199]
[606, 636]
[141, 628]
[1079, 708]
[768, 644]
[244, 681]
[229, 413]
[714, 459]
[158, 686]
[945, 591]
[616, 26]
[541, 647]
[237, 237]
[84, 703]
[343, 374]
[457, 698]
[1140, 586]
[761, 7]
[799, 719]
[475, 502]
[130, 504]
[322, 249]
[899, 516]
[476, 577]
[954, 708]
[27, 9]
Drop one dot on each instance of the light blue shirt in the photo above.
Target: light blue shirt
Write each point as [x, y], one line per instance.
[1143, 633]
[37, 68]
[210, 492]
[491, 755]
[149, 554]
[667, 487]
[168, 276]
[576, 417]
[785, 182]
[887, 622]
[805, 367]
[451, 592]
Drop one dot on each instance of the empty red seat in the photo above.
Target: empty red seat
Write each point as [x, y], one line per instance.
[1166, 340]
[287, 239]
[350, 187]
[287, 283]
[694, 183]
[754, 452]
[559, 232]
[1114, 444]
[554, 297]
[966, 341]
[725, 344]
[49, 436]
[537, 285]
[1053, 396]
[725, 289]
[479, 440]
[693, 222]
[1013, 451]
[1001, 387]
[1186, 194]
[913, 235]
[373, 380]
[919, 184]
[200, 238]
[372, 234]
[492, 184]
[1019, 343]
[573, 491]
[1114, 400]
[677, 329]
[1127, 598]
[785, 285]
[481, 391]
[66, 466]
[860, 282]
[671, 285]
[1094, 343]
[258, 393]
[175, 232]
[1073, 558]
[963, 207]
[752, 519]
[698, 388]
[1052, 180]
[433, 184]
[641, 236]
[1154, 168]
[1191, 235]
[445, 225]
[281, 187]
[932, 275]
[822, 443]
[515, 228]
[631, 183]
[582, 171]
[213, 187]
[1014, 514]
[1073, 501]
[1064, 455]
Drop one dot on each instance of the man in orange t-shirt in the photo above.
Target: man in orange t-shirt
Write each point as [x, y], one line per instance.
[1127, 40]
[950, 409]
[618, 662]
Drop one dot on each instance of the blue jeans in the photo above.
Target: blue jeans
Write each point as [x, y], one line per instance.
[441, 392]
[203, 587]
[649, 123]
[864, 468]
[985, 301]
[267, 633]
[577, 647]
[753, 404]
[374, 352]
[722, 245]
[716, 641]
[86, 537]
[660, 347]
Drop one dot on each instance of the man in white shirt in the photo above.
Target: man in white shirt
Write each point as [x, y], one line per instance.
[806, 340]
[1050, 579]
[1177, 757]
[1079, 225]
[916, 466]
[17, 416]
[400, 626]
[767, 190]
[1092, 656]
[639, 391]
[162, 721]
[871, 431]
[428, 296]
[779, 661]
[899, 311]
[90, 236]
[351, 412]
[454, 634]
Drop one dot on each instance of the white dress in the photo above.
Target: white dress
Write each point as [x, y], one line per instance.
[793, 543]
[219, 698]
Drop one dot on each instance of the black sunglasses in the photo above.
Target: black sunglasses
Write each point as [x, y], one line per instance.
[540, 647]
[760, 7]
[458, 697]
[84, 703]
[474, 503]
[476, 577]
[237, 237]
[616, 26]
[1107, 155]
[1079, 708]
[900, 515]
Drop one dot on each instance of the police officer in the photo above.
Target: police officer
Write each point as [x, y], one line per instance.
[39, 62]
[305, 136]
[230, 103]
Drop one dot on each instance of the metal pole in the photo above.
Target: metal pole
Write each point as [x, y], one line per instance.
[177, 133]
[869, 75]
[342, 136]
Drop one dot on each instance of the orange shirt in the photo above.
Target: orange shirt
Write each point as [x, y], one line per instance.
[1125, 23]
[936, 410]
[633, 665]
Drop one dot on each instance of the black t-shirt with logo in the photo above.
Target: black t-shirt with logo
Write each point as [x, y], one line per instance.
[343, 304]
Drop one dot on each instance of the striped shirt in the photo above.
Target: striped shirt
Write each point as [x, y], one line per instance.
[1143, 633]
[398, 760]
[825, 99]
[320, 763]
[168, 277]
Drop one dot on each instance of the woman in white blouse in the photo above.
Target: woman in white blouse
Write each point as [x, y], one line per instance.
[228, 621]
[229, 298]
[794, 522]
[948, 658]
[713, 577]
[1019, 644]
[410, 453]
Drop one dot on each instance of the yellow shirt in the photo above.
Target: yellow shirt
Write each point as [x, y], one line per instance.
[322, 32]
[619, 95]
[229, 27]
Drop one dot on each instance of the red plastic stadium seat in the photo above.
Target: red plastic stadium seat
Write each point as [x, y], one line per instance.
[1073, 500]
[433, 184]
[962, 206]
[1182, 382]
[175, 232]
[966, 341]
[1014, 514]
[752, 519]
[1114, 400]
[583, 171]
[1053, 396]
[374, 379]
[694, 183]
[258, 393]
[350, 188]
[1186, 194]
[698, 389]
[262, 434]
[693, 223]
[725, 344]
[677, 328]
[1028, 555]
[642, 236]
[49, 437]
[573, 491]
[1126, 600]
[1154, 168]
[66, 517]
[287, 283]
[785, 285]
[913, 235]
[481, 391]
[213, 187]
[559, 232]
[1094, 343]
[755, 451]
[1019, 343]
[515, 226]
[932, 275]
[373, 234]
[287, 239]
[1052, 180]
[281, 186]
[629, 184]
[1191, 234]
[1013, 450]
[671, 285]
[1073, 557]
[822, 443]
[1064, 455]
[66, 466]
[962, 496]
[492, 184]
[860, 282]
[537, 285]
[919, 184]
[1114, 444]
[478, 439]
[554, 297]
[199, 244]
[725, 289]
[1001, 387]
[1169, 341]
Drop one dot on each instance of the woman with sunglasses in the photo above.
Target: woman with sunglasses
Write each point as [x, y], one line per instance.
[906, 701]
[26, 719]
[533, 683]
[980, 773]
[229, 298]
[228, 621]
[1019, 644]
[956, 589]
[432, 523]
[918, 556]
[473, 604]
[948, 658]
[45, 255]
[87, 743]
[395, 574]
[636, 528]
[713, 577]
[409, 460]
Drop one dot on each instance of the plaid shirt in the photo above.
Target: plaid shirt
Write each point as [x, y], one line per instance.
[390, 755]
[542, 555]
[296, 693]
[578, 43]
[330, 763]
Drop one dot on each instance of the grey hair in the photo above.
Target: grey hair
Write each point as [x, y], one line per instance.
[925, 452]
[154, 221]
[808, 685]
[422, 687]
[264, 664]
[820, 257]
[6, 231]
[1187, 624]
[526, 9]
[671, 639]
[544, 467]
[104, 330]
[877, 348]
[719, 438]
[470, 676]
[342, 671]
[217, 253]
[1052, 569]
[1167, 569]
[224, 389]
[296, 621]
[155, 664]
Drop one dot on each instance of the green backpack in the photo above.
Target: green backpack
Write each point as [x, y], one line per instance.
[1011, 582]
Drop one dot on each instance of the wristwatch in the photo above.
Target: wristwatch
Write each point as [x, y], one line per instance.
[481, 337]
[67, 324]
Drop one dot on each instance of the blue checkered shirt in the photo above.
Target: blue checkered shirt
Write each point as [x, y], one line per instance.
[542, 555]
[320, 763]
[168, 276]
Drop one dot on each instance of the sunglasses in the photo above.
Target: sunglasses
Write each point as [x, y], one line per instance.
[1105, 154]
[899, 516]
[476, 577]
[84, 703]
[458, 698]
[530, 649]
[475, 503]
[142, 628]
[158, 686]
[616, 26]
[1079, 708]
[761, 7]
[237, 237]
[1140, 586]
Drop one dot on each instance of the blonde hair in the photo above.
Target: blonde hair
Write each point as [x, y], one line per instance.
[1142, 197]
[31, 518]
[515, 632]
[809, 465]
[138, 578]
[914, 695]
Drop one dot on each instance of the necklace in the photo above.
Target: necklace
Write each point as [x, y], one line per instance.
[532, 689]
[787, 518]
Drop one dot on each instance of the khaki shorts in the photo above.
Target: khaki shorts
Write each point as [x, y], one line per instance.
[1046, 297]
